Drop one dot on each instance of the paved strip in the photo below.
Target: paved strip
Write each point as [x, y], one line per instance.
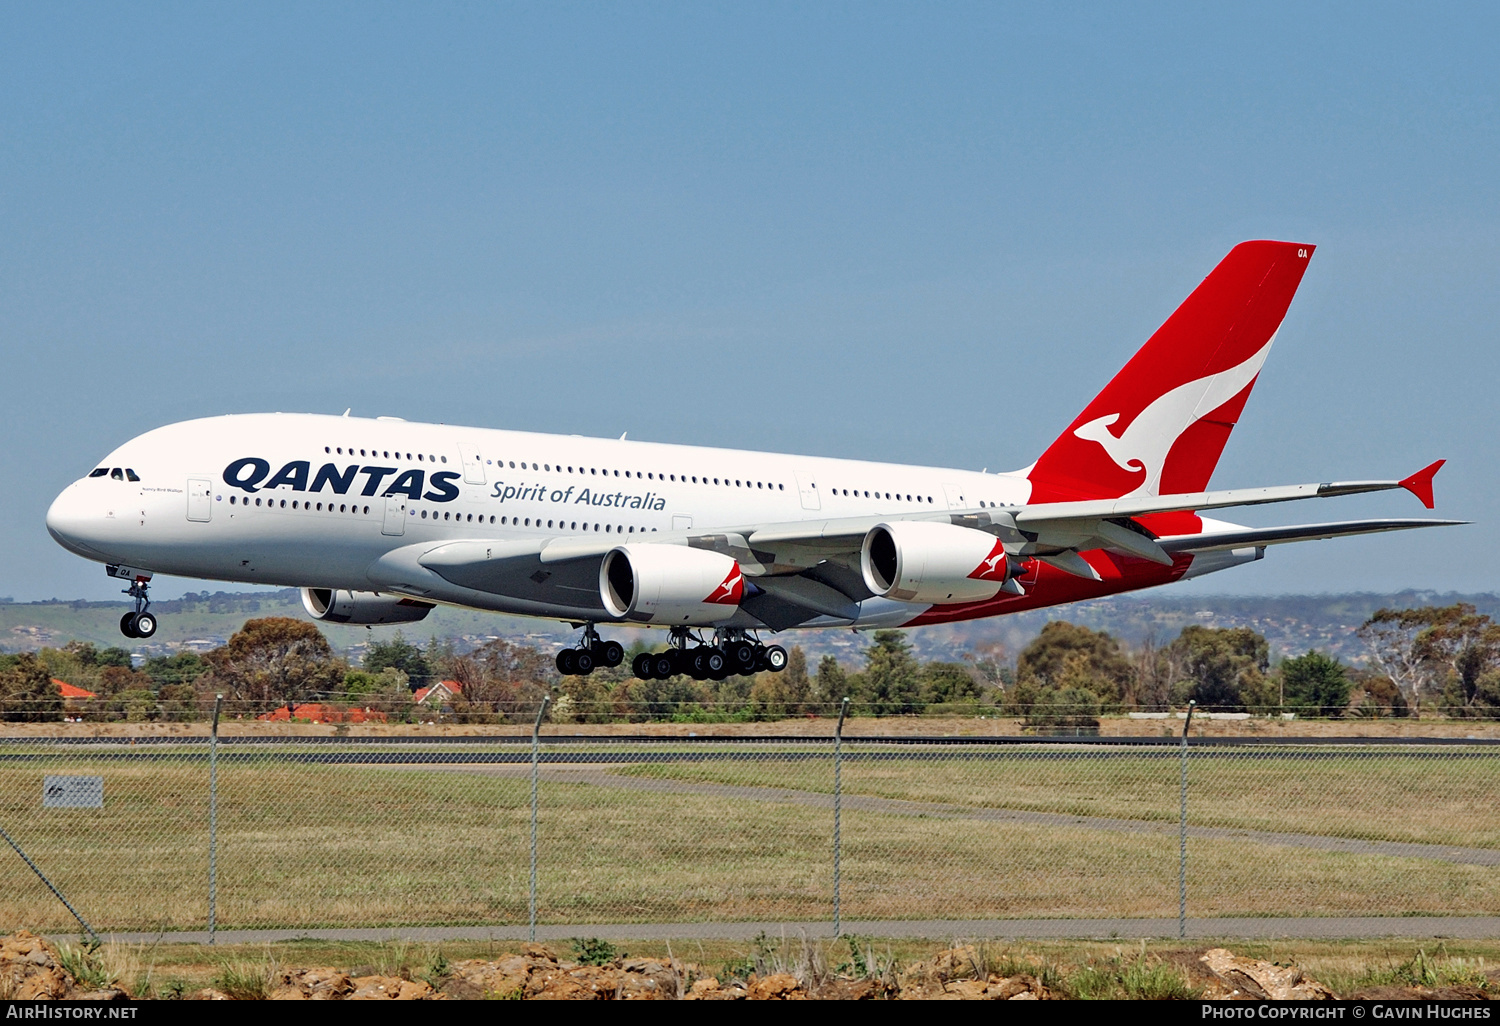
[1331, 928]
[935, 810]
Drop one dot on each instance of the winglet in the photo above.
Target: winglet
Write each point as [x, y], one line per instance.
[1420, 483]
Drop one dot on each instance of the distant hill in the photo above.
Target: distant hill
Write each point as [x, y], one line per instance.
[1291, 623]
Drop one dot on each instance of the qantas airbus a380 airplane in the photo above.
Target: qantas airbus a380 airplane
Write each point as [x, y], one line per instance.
[378, 520]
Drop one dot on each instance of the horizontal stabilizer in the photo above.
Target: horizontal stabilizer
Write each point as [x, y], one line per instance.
[1244, 537]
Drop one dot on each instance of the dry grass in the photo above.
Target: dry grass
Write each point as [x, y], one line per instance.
[309, 845]
[1390, 796]
[1078, 967]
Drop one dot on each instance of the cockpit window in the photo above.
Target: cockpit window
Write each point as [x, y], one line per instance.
[117, 474]
[100, 472]
[131, 475]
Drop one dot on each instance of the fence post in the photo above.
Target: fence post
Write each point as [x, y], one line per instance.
[1182, 831]
[536, 730]
[43, 877]
[213, 817]
[838, 794]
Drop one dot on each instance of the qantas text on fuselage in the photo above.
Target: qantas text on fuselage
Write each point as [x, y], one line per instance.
[378, 520]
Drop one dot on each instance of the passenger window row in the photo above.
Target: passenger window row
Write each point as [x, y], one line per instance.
[299, 504]
[573, 525]
[895, 497]
[384, 454]
[642, 475]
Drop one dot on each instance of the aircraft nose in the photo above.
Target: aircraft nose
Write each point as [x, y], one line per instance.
[73, 519]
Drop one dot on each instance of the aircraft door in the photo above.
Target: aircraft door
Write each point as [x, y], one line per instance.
[955, 496]
[807, 487]
[473, 463]
[200, 493]
[395, 515]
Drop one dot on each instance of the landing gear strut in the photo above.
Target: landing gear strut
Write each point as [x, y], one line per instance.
[593, 652]
[139, 622]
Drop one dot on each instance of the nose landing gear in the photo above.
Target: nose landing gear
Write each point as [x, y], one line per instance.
[139, 622]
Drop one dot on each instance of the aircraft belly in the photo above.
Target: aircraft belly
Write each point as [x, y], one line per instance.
[519, 584]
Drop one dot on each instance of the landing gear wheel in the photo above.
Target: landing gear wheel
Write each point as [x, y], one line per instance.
[741, 656]
[127, 625]
[642, 666]
[775, 658]
[707, 663]
[567, 662]
[610, 653]
[144, 625]
[663, 666]
[583, 662]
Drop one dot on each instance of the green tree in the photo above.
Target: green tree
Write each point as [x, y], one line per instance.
[944, 683]
[276, 660]
[27, 694]
[796, 686]
[893, 677]
[114, 679]
[1463, 646]
[178, 668]
[1066, 655]
[1374, 695]
[1064, 710]
[1221, 668]
[401, 654]
[831, 683]
[1315, 684]
[501, 680]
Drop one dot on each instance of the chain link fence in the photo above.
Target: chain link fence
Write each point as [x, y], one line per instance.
[410, 831]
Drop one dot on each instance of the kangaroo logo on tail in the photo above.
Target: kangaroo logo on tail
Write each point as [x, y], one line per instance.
[1161, 423]
[1145, 442]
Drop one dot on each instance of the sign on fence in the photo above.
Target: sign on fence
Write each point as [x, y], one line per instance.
[73, 792]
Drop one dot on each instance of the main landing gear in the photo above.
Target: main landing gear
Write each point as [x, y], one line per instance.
[139, 622]
[593, 652]
[730, 653]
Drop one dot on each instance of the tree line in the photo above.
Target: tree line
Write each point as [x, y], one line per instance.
[1423, 661]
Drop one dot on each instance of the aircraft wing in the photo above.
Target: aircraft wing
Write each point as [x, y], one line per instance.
[827, 551]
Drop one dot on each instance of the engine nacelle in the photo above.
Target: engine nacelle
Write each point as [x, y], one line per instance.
[361, 607]
[942, 564]
[671, 584]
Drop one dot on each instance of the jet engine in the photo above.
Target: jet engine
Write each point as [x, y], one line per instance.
[361, 607]
[921, 561]
[670, 584]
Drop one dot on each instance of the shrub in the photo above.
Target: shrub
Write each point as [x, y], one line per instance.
[1065, 710]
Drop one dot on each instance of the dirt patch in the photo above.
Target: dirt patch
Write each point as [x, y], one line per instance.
[1232, 976]
[32, 970]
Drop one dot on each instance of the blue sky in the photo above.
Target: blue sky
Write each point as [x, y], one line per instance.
[921, 232]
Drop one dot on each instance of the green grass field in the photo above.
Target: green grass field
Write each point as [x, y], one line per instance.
[305, 845]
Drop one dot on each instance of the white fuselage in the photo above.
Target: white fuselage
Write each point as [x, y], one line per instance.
[331, 502]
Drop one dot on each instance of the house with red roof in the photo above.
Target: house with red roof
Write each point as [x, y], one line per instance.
[438, 694]
[317, 712]
[69, 691]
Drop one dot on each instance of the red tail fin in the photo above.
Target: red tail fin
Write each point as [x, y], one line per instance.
[1159, 427]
